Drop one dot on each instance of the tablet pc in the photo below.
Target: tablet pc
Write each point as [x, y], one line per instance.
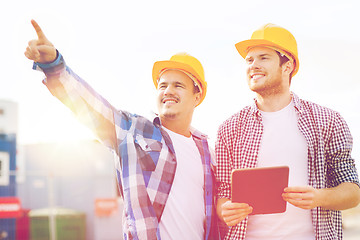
[261, 188]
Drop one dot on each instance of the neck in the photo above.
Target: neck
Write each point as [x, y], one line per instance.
[182, 128]
[274, 102]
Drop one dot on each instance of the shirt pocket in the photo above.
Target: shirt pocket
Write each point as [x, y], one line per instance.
[148, 152]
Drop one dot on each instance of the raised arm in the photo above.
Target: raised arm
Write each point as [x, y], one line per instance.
[40, 50]
[89, 107]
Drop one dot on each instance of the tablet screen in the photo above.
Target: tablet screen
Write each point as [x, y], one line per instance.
[261, 188]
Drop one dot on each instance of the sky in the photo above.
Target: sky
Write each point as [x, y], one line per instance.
[113, 45]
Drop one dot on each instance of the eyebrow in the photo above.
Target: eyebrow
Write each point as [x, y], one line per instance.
[264, 55]
[181, 83]
[261, 55]
[175, 83]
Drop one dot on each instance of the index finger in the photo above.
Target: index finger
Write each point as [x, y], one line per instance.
[297, 189]
[235, 205]
[38, 30]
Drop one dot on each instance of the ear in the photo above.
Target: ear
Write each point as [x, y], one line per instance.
[197, 98]
[288, 67]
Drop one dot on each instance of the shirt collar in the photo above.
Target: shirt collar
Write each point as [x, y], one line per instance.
[194, 132]
[297, 104]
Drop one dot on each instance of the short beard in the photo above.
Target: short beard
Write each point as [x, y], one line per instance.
[266, 91]
[169, 115]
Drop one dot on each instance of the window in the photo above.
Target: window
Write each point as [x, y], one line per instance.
[4, 168]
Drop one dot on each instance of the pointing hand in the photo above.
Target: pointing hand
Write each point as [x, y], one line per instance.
[40, 50]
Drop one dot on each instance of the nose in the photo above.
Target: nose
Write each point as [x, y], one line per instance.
[253, 65]
[168, 90]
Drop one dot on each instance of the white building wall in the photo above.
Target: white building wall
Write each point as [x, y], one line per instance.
[8, 117]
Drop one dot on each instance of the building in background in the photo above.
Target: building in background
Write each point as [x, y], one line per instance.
[8, 117]
[10, 207]
[76, 179]
[74, 175]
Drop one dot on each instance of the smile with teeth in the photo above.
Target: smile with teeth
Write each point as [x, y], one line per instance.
[170, 100]
[257, 76]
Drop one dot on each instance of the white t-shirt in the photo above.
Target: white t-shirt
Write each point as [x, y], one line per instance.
[283, 144]
[184, 212]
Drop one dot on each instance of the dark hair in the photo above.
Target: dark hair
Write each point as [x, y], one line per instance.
[196, 88]
[284, 59]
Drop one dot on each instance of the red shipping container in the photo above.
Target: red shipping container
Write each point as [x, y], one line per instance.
[23, 225]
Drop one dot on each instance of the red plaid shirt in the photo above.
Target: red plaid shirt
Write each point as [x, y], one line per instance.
[329, 157]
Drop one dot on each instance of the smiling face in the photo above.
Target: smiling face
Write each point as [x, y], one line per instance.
[264, 74]
[176, 98]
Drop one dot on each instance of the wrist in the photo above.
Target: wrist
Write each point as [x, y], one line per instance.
[320, 197]
[50, 64]
[48, 67]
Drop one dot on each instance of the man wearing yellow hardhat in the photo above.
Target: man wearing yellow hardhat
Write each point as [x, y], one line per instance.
[282, 129]
[163, 166]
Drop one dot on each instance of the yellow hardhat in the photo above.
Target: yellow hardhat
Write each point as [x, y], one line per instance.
[275, 37]
[185, 63]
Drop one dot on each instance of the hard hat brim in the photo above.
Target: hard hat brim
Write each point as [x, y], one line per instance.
[243, 48]
[162, 65]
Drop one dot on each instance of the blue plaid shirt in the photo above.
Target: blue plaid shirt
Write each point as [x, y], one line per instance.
[146, 161]
[329, 157]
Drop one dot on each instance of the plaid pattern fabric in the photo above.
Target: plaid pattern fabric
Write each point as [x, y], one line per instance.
[145, 158]
[329, 157]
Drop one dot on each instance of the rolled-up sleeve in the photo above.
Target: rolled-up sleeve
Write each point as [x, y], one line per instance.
[224, 166]
[341, 166]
